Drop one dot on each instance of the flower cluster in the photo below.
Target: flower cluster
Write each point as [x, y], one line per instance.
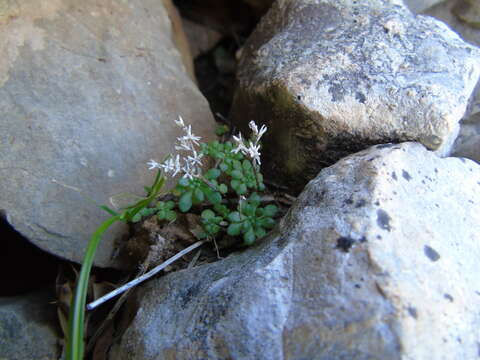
[250, 148]
[190, 165]
[226, 195]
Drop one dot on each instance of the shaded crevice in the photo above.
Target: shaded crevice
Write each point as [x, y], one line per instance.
[23, 266]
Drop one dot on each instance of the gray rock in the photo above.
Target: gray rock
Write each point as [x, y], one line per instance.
[467, 143]
[27, 328]
[378, 259]
[200, 38]
[418, 6]
[332, 77]
[88, 94]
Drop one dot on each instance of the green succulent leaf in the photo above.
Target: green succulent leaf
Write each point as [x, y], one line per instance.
[267, 222]
[170, 215]
[255, 198]
[214, 197]
[212, 174]
[221, 130]
[237, 174]
[223, 188]
[246, 164]
[235, 184]
[234, 216]
[241, 189]
[270, 210]
[185, 201]
[248, 209]
[249, 237]
[234, 229]
[221, 209]
[260, 232]
[137, 217]
[198, 196]
[223, 166]
[207, 214]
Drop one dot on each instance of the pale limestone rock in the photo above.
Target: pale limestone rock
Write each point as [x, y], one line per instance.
[332, 77]
[88, 94]
[377, 259]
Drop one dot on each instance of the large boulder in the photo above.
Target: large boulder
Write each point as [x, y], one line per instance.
[467, 143]
[88, 94]
[27, 328]
[331, 77]
[377, 259]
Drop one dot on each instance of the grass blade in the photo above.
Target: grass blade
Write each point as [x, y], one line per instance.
[75, 340]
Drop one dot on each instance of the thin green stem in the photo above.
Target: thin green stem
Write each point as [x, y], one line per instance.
[75, 336]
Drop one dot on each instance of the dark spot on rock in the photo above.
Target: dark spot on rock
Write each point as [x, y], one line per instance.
[372, 158]
[299, 97]
[188, 294]
[360, 203]
[383, 146]
[377, 203]
[477, 292]
[406, 175]
[337, 91]
[383, 219]
[344, 243]
[379, 237]
[360, 97]
[423, 182]
[431, 253]
[394, 176]
[357, 286]
[349, 201]
[362, 239]
[462, 160]
[436, 171]
[459, 339]
[478, 349]
[437, 205]
[413, 312]
[448, 297]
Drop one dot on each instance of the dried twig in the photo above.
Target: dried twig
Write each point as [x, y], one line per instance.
[194, 260]
[144, 277]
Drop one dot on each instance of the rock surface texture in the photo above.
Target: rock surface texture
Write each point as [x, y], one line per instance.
[332, 77]
[88, 94]
[468, 142]
[378, 259]
[26, 328]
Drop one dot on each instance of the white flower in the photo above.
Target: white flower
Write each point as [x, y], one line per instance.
[257, 133]
[254, 153]
[171, 165]
[250, 148]
[189, 137]
[152, 164]
[180, 122]
[240, 144]
[195, 160]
